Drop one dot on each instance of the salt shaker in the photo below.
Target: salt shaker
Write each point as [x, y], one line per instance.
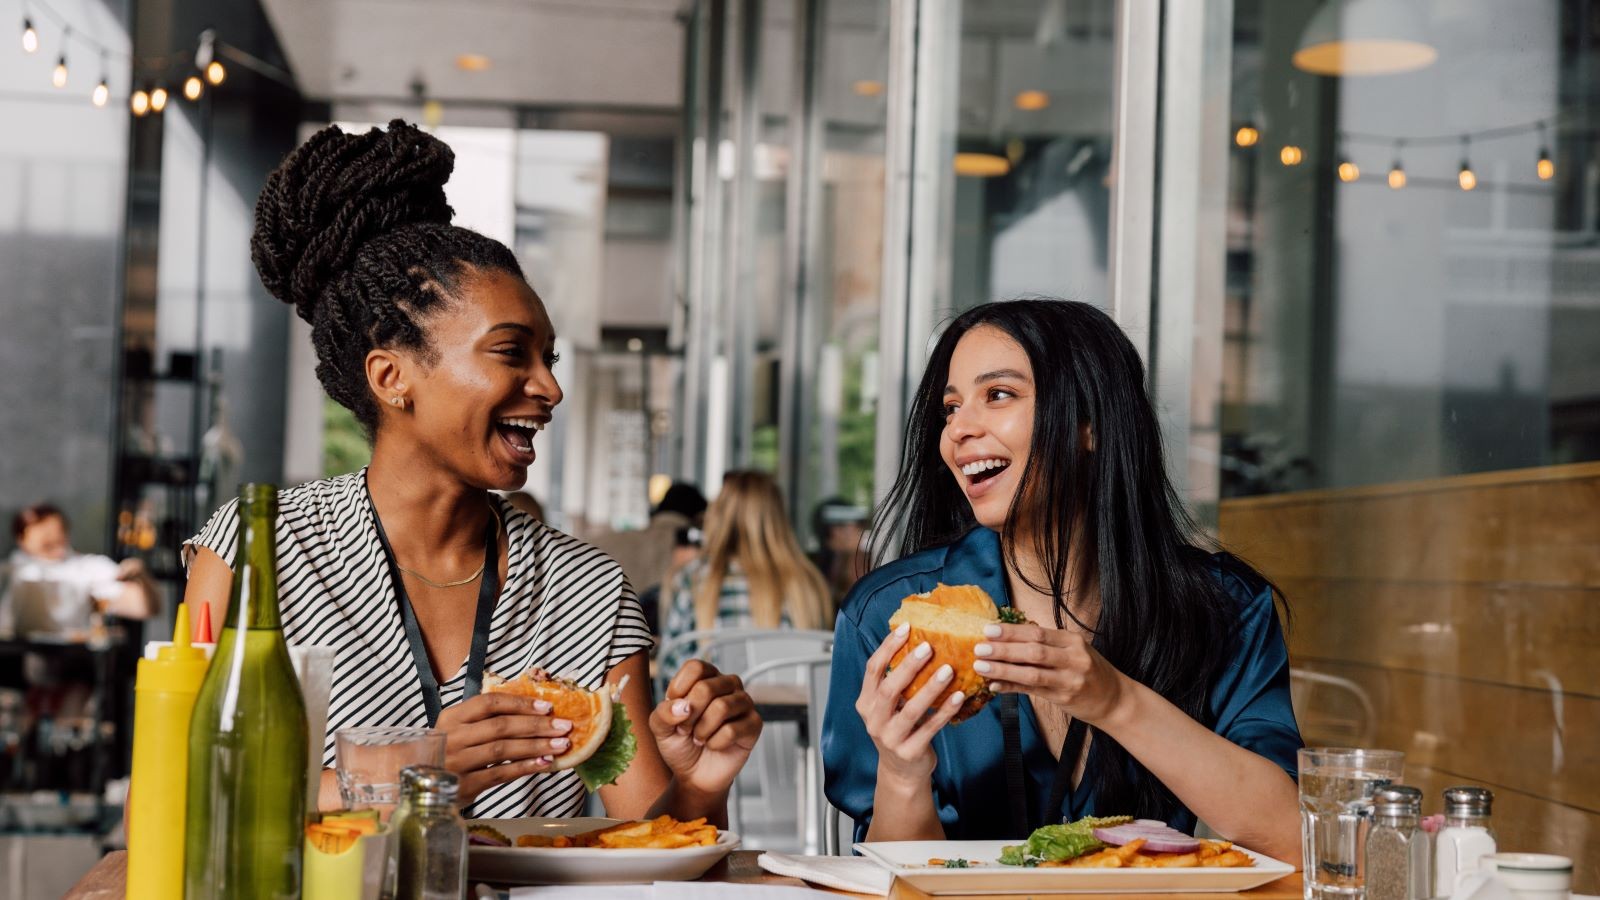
[1465, 838]
[431, 837]
[1399, 865]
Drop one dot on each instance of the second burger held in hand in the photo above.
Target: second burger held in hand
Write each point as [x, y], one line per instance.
[951, 619]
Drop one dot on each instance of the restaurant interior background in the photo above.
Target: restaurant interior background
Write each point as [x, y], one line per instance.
[1367, 287]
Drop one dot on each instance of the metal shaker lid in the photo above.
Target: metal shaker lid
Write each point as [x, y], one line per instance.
[1468, 801]
[429, 781]
[1397, 800]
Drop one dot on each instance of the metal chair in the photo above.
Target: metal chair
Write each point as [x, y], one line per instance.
[733, 651]
[819, 821]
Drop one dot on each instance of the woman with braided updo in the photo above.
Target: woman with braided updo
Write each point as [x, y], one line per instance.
[412, 568]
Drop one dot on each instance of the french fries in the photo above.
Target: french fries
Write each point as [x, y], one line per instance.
[1211, 854]
[660, 833]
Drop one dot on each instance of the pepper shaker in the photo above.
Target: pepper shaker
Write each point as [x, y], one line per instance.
[1399, 863]
[431, 837]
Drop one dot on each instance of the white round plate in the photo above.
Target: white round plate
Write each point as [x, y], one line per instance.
[585, 865]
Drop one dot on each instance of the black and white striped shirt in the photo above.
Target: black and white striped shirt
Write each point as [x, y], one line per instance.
[565, 606]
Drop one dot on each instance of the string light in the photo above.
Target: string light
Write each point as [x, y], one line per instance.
[215, 73]
[30, 37]
[1466, 178]
[158, 99]
[102, 91]
[193, 87]
[1291, 155]
[1348, 171]
[1397, 172]
[1546, 166]
[58, 77]
[1247, 136]
[139, 102]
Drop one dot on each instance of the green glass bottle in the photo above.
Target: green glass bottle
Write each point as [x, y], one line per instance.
[247, 736]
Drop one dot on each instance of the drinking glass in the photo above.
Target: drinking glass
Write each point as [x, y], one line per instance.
[369, 760]
[1336, 788]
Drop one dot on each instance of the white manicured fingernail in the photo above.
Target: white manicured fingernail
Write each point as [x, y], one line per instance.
[991, 631]
[903, 630]
[944, 673]
[994, 687]
[981, 666]
[542, 706]
[681, 708]
[956, 698]
[924, 650]
[561, 743]
[543, 761]
[699, 743]
[983, 650]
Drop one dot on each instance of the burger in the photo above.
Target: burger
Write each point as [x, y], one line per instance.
[602, 737]
[951, 620]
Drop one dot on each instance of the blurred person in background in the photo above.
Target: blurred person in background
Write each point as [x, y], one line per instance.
[841, 530]
[51, 588]
[652, 556]
[751, 571]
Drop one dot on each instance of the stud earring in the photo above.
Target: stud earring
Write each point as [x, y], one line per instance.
[397, 401]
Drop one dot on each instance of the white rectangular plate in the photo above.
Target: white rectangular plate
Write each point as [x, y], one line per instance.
[908, 860]
[585, 865]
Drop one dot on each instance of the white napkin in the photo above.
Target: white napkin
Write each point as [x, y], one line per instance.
[1482, 886]
[847, 873]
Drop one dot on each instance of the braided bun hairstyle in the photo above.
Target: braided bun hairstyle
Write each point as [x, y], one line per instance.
[353, 230]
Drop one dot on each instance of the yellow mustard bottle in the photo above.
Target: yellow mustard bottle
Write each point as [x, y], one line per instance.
[164, 693]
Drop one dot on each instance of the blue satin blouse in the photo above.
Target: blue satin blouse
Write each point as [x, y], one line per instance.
[1249, 705]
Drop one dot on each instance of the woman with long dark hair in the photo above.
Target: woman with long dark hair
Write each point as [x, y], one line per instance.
[412, 567]
[1156, 681]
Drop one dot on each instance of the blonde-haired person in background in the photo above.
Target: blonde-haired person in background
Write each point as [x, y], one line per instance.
[751, 571]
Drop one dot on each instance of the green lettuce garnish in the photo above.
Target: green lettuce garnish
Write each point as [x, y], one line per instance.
[1055, 843]
[1010, 615]
[612, 759]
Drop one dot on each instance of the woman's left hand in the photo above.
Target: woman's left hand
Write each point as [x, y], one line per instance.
[706, 727]
[1052, 664]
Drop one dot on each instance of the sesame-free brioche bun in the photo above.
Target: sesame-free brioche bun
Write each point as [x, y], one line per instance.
[951, 620]
[588, 711]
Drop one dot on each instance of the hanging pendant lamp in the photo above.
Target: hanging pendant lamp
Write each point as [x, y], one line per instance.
[1364, 37]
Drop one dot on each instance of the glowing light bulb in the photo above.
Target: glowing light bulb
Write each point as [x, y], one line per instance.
[158, 99]
[1397, 176]
[1291, 155]
[139, 102]
[1348, 171]
[215, 73]
[193, 87]
[1246, 136]
[30, 38]
[59, 76]
[1547, 166]
[102, 93]
[1467, 179]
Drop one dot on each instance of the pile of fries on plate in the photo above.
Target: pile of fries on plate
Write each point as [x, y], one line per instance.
[1211, 854]
[660, 833]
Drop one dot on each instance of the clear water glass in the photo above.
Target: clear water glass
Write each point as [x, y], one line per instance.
[368, 762]
[1336, 788]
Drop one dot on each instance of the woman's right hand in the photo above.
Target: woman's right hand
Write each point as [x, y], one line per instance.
[904, 732]
[495, 738]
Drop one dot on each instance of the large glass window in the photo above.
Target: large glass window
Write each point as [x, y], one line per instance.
[1410, 385]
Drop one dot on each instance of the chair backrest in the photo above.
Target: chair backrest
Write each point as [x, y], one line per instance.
[1330, 709]
[735, 650]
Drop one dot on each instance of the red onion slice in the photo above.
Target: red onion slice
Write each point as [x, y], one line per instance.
[1157, 839]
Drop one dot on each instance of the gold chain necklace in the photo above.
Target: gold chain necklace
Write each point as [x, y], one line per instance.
[467, 580]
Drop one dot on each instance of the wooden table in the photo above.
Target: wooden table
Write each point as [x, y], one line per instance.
[107, 881]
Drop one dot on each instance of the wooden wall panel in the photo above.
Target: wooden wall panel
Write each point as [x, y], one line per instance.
[1467, 611]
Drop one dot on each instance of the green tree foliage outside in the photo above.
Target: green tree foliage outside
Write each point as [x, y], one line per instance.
[344, 444]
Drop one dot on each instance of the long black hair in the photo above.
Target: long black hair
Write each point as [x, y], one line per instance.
[1164, 618]
[353, 230]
